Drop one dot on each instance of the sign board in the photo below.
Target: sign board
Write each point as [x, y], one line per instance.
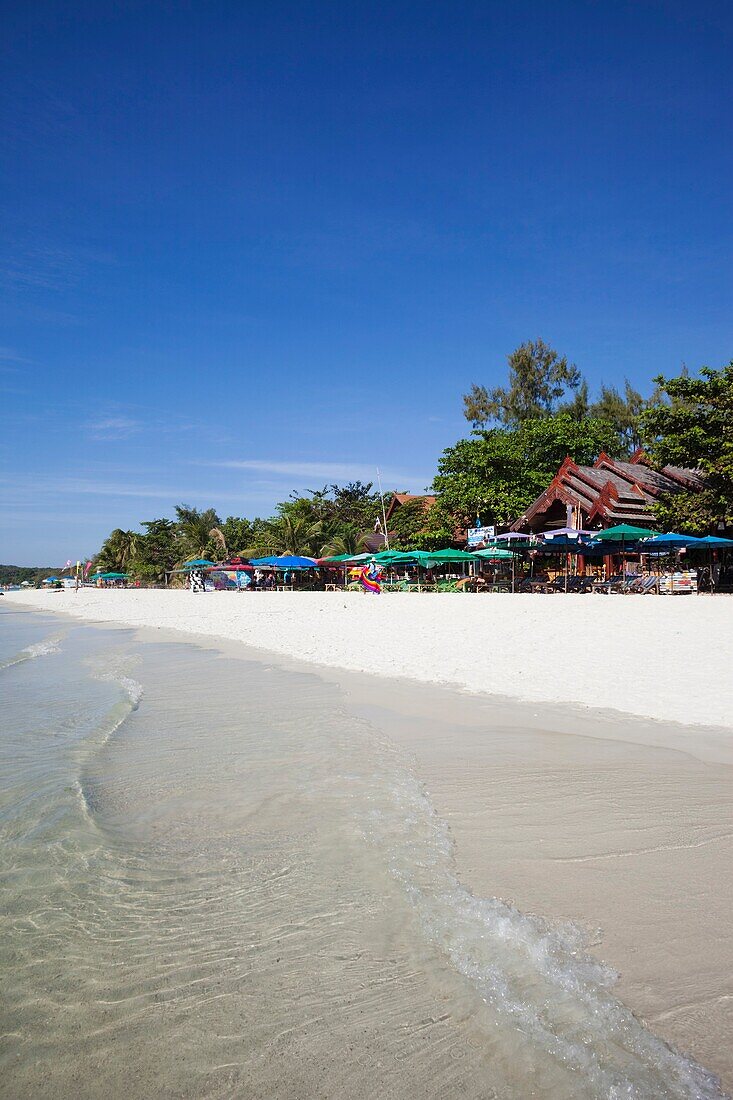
[479, 535]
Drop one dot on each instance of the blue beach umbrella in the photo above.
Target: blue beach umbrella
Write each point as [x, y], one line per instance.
[665, 544]
[715, 542]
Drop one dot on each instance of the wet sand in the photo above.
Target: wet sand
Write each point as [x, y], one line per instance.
[583, 817]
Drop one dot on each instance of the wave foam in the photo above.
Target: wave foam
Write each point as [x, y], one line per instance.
[30, 652]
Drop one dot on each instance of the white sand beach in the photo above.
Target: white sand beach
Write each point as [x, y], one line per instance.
[614, 813]
[667, 658]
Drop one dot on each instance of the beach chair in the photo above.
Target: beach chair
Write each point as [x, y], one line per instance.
[604, 587]
[625, 585]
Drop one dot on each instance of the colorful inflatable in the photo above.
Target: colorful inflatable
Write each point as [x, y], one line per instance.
[370, 575]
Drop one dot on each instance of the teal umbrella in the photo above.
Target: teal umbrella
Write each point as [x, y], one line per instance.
[496, 553]
[622, 533]
[664, 544]
[438, 556]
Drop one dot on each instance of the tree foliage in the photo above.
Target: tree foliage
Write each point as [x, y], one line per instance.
[16, 574]
[691, 424]
[496, 474]
[623, 412]
[542, 384]
[118, 551]
[538, 379]
[199, 534]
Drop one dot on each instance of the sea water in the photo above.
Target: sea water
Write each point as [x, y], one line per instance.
[217, 882]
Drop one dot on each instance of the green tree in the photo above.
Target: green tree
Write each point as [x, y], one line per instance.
[407, 525]
[496, 474]
[198, 534]
[355, 504]
[623, 412]
[292, 534]
[538, 379]
[156, 551]
[118, 551]
[343, 540]
[691, 424]
[237, 534]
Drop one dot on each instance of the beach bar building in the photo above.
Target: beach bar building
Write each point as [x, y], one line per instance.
[607, 493]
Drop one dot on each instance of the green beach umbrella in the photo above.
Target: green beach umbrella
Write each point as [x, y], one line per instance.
[623, 532]
[438, 556]
[495, 554]
[389, 557]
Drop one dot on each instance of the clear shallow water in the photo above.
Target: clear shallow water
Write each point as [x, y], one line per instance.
[217, 882]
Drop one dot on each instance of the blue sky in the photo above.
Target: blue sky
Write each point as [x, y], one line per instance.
[247, 248]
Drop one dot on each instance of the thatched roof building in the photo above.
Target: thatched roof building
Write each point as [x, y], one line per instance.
[606, 493]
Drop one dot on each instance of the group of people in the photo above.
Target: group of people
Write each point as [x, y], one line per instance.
[258, 580]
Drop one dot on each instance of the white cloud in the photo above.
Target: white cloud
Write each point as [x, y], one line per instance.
[325, 471]
[34, 493]
[114, 427]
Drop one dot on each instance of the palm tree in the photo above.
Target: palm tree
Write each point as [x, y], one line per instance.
[293, 535]
[346, 540]
[119, 549]
[197, 531]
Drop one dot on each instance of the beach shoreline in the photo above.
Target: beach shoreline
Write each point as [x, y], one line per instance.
[617, 823]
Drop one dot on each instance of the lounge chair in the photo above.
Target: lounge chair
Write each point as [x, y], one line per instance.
[625, 585]
[606, 586]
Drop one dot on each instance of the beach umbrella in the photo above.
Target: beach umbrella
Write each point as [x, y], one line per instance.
[663, 544]
[623, 533]
[438, 556]
[518, 539]
[287, 561]
[567, 540]
[715, 542]
[49, 580]
[388, 557]
[197, 563]
[561, 543]
[570, 533]
[496, 553]
[114, 576]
